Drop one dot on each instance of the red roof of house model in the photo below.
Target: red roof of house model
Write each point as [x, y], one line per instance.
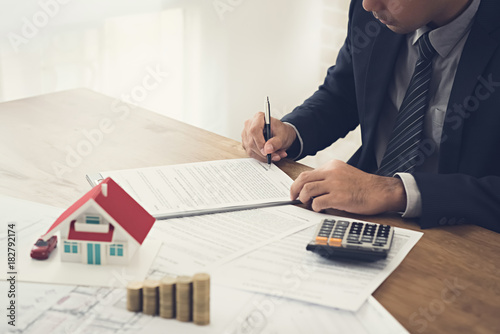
[119, 205]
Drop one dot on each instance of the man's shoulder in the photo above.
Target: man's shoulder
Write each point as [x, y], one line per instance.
[488, 15]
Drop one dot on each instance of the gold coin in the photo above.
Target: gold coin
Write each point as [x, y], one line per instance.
[150, 301]
[134, 296]
[184, 298]
[201, 299]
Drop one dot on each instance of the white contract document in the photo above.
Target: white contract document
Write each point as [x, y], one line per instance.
[200, 243]
[204, 187]
[286, 269]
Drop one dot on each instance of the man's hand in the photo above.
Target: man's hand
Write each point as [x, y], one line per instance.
[252, 138]
[340, 186]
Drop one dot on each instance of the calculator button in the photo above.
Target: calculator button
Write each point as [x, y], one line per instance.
[384, 229]
[367, 239]
[321, 240]
[342, 223]
[335, 242]
[337, 235]
[381, 240]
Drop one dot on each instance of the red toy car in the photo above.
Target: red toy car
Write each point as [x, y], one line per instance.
[42, 249]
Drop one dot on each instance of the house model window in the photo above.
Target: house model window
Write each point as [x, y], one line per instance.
[92, 219]
[70, 247]
[116, 250]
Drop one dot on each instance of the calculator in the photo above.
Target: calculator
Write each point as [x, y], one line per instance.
[342, 238]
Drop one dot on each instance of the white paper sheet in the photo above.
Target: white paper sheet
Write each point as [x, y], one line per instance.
[199, 243]
[205, 186]
[285, 268]
[56, 309]
[32, 220]
[237, 312]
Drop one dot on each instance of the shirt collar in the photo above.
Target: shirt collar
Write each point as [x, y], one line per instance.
[445, 38]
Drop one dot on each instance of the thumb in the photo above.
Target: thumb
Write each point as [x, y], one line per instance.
[272, 145]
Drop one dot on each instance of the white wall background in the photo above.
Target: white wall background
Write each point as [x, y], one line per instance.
[215, 60]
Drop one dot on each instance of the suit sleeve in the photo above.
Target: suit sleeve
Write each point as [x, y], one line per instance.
[331, 112]
[452, 199]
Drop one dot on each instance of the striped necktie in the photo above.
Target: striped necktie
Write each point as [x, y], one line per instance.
[402, 150]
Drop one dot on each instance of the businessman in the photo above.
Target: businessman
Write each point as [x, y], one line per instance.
[422, 79]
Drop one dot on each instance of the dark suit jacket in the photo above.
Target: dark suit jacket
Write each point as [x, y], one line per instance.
[467, 186]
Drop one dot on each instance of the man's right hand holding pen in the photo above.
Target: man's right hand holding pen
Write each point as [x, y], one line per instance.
[254, 143]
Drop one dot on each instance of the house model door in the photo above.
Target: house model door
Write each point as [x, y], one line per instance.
[93, 253]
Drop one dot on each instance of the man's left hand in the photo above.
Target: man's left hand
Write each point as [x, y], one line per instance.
[341, 186]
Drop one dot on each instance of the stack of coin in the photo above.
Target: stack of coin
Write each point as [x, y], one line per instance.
[184, 298]
[201, 299]
[167, 297]
[150, 299]
[134, 296]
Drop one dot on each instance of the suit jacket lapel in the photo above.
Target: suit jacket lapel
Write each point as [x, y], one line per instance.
[477, 52]
[382, 60]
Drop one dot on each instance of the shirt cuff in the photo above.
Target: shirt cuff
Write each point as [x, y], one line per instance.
[413, 196]
[299, 139]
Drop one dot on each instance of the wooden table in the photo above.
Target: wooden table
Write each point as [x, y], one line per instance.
[449, 283]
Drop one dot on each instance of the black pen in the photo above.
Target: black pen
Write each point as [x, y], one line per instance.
[267, 127]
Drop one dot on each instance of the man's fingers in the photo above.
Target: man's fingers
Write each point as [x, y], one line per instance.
[273, 145]
[310, 190]
[256, 130]
[304, 178]
[253, 138]
[278, 155]
[321, 203]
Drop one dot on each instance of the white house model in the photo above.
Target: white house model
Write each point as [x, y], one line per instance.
[105, 226]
